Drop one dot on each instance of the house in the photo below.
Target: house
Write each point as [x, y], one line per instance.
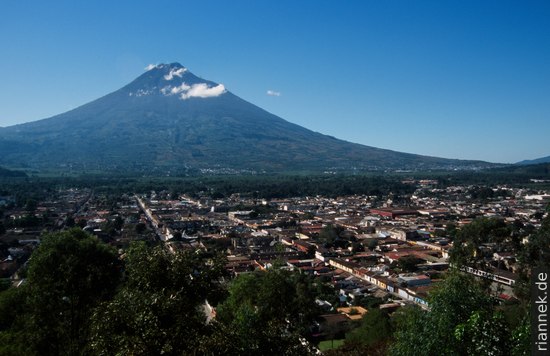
[353, 313]
[413, 280]
[394, 213]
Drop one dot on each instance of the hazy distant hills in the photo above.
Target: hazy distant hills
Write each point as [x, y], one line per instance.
[535, 161]
[6, 173]
[169, 119]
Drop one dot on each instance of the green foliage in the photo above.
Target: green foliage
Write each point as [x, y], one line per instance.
[536, 253]
[69, 274]
[12, 324]
[113, 226]
[261, 186]
[368, 301]
[481, 193]
[484, 333]
[160, 307]
[432, 332]
[451, 230]
[326, 291]
[375, 328]
[521, 338]
[467, 243]
[330, 233]
[31, 204]
[461, 321]
[140, 228]
[118, 223]
[410, 332]
[373, 243]
[408, 263]
[267, 312]
[5, 283]
[330, 344]
[70, 222]
[28, 220]
[11, 304]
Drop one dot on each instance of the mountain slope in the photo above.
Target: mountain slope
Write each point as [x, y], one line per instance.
[170, 119]
[535, 161]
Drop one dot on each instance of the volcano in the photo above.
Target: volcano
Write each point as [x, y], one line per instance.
[168, 119]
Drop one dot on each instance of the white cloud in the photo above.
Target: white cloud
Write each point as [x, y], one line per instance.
[200, 90]
[273, 93]
[203, 91]
[175, 90]
[175, 72]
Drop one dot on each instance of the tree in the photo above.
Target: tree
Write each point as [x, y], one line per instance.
[409, 263]
[330, 233]
[140, 228]
[432, 332]
[70, 222]
[69, 274]
[177, 236]
[31, 205]
[12, 336]
[160, 307]
[82, 223]
[521, 338]
[451, 230]
[484, 333]
[373, 243]
[118, 223]
[536, 253]
[466, 249]
[481, 193]
[268, 312]
[410, 332]
[375, 329]
[357, 247]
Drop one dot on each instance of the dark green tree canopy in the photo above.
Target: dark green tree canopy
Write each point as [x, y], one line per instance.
[268, 311]
[461, 320]
[69, 274]
[468, 241]
[161, 307]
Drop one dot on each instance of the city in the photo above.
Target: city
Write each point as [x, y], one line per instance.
[362, 252]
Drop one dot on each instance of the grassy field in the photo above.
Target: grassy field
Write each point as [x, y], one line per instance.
[330, 344]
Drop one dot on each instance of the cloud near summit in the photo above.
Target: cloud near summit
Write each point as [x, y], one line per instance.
[200, 90]
[150, 66]
[175, 73]
[203, 91]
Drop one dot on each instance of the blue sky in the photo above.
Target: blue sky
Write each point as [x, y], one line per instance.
[455, 79]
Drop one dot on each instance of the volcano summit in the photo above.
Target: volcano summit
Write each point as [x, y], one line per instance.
[168, 119]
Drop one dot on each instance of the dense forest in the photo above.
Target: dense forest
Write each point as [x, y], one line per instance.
[216, 186]
[276, 186]
[6, 173]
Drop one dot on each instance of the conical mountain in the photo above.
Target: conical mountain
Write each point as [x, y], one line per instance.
[170, 119]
